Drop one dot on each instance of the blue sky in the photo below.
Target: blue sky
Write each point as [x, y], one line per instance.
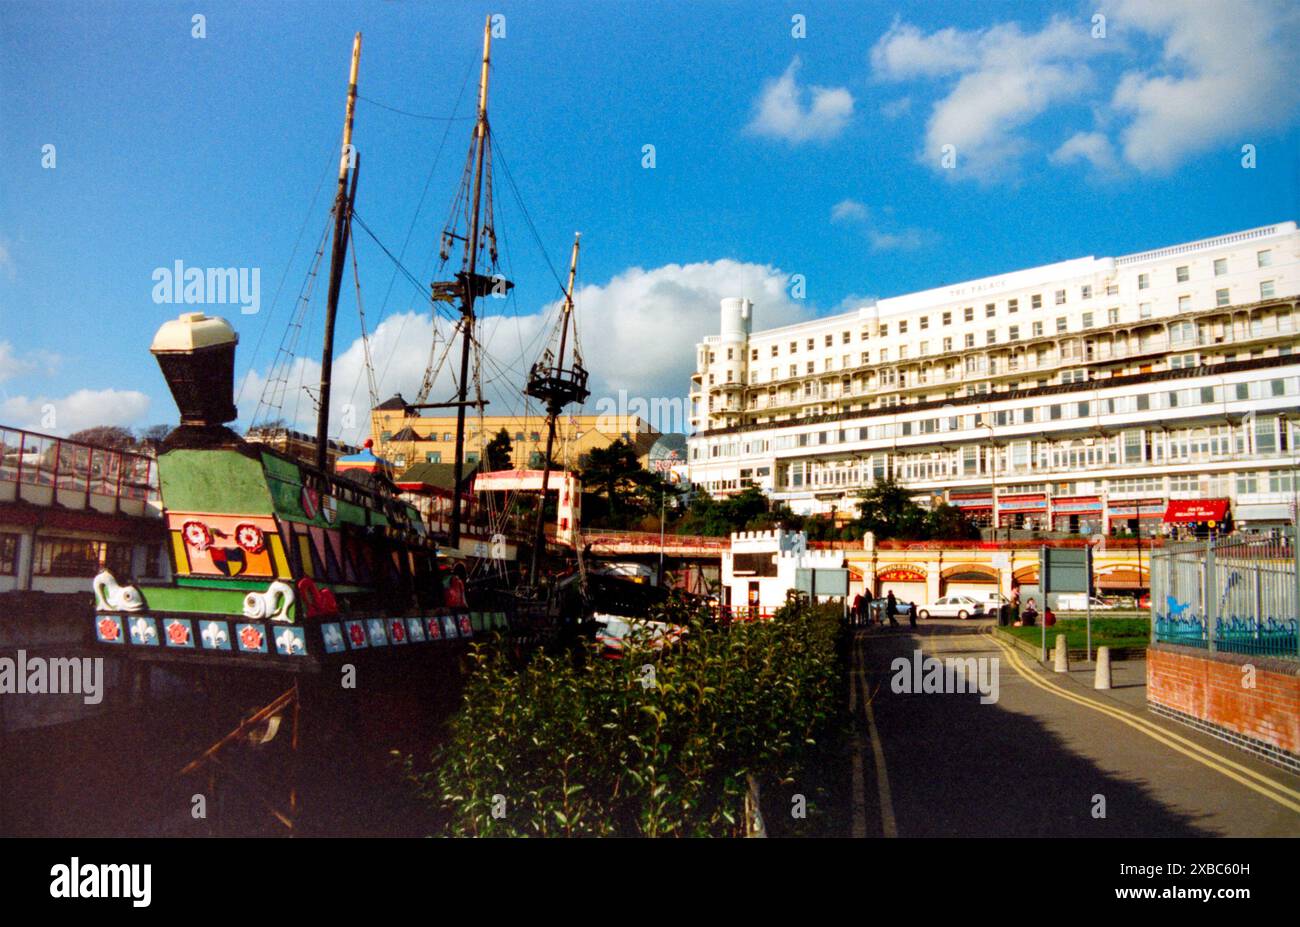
[774, 156]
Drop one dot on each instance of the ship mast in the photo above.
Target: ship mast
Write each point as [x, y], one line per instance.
[557, 386]
[469, 284]
[342, 214]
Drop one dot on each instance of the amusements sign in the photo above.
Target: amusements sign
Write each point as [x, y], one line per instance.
[900, 574]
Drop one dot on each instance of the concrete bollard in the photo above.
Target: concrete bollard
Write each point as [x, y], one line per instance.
[1062, 657]
[1102, 678]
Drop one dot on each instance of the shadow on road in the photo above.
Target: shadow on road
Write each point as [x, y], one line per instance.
[957, 767]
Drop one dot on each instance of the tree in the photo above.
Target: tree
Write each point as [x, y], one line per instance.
[886, 509]
[498, 452]
[615, 474]
[113, 436]
[155, 433]
[947, 522]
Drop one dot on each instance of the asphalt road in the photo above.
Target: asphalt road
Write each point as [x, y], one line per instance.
[1048, 758]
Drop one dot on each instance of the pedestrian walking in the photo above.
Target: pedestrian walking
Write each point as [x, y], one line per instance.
[911, 614]
[857, 609]
[891, 609]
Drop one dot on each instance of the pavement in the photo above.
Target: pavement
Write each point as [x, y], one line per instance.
[1050, 757]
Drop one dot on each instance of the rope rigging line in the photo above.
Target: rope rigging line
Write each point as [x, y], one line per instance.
[402, 112]
[365, 339]
[273, 391]
[410, 230]
[330, 167]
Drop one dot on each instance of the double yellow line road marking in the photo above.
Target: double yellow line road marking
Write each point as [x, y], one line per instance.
[1276, 791]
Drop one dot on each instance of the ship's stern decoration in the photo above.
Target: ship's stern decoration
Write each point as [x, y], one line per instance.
[275, 604]
[111, 596]
[227, 546]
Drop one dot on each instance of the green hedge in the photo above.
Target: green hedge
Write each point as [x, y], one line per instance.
[569, 745]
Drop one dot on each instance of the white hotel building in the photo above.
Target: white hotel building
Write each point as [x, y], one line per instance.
[1078, 396]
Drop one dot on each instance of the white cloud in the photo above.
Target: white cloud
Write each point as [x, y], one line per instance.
[895, 108]
[1227, 71]
[1005, 79]
[849, 211]
[637, 332]
[85, 408]
[902, 240]
[1092, 147]
[781, 110]
[11, 365]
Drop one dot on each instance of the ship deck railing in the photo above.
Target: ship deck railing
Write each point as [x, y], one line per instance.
[46, 470]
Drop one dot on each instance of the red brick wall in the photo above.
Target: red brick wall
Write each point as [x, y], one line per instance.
[1209, 687]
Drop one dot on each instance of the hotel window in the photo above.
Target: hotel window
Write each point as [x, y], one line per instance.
[1060, 297]
[433, 456]
[1029, 415]
[1085, 291]
[794, 347]
[1036, 301]
[884, 329]
[1087, 320]
[990, 310]
[1144, 310]
[1013, 305]
[1013, 333]
[1221, 297]
[794, 370]
[991, 336]
[729, 354]
[846, 361]
[1263, 258]
[1143, 402]
[968, 313]
[830, 341]
[828, 364]
[8, 554]
[1220, 266]
[1184, 304]
[811, 342]
[753, 355]
[772, 375]
[925, 322]
[846, 338]
[902, 352]
[1037, 329]
[1054, 412]
[775, 350]
[947, 318]
[1112, 316]
[970, 340]
[866, 358]
[902, 327]
[1061, 325]
[1265, 289]
[812, 367]
[1112, 289]
[884, 355]
[1144, 281]
[947, 344]
[925, 347]
[1181, 273]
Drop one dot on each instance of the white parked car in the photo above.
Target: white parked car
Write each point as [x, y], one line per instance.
[1078, 602]
[953, 606]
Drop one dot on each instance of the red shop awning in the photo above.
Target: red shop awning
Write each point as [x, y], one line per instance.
[1187, 510]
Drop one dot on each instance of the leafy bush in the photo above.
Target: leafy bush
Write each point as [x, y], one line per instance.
[570, 746]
